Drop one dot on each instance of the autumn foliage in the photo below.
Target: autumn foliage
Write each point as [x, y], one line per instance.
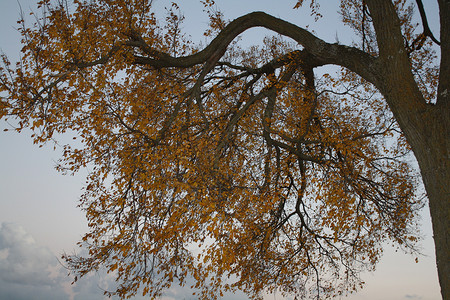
[245, 169]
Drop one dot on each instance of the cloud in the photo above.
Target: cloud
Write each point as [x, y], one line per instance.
[414, 297]
[27, 270]
[31, 271]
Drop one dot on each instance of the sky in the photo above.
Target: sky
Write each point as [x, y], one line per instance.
[39, 217]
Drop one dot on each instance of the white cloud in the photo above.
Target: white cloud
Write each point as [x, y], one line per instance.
[30, 271]
[27, 270]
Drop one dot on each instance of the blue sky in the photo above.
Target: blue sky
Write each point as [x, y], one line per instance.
[38, 214]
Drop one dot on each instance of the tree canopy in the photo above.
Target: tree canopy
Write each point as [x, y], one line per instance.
[244, 168]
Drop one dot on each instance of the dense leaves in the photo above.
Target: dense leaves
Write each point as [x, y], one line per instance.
[241, 168]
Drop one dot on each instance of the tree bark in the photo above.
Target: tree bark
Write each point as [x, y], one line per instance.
[434, 164]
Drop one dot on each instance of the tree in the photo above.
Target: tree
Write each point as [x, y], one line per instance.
[283, 179]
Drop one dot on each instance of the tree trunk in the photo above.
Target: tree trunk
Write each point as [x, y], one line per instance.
[433, 159]
[437, 180]
[435, 166]
[428, 132]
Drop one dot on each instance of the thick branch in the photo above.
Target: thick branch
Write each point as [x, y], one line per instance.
[444, 80]
[349, 57]
[397, 85]
[426, 28]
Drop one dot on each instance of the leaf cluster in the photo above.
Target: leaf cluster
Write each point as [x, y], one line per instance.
[246, 164]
